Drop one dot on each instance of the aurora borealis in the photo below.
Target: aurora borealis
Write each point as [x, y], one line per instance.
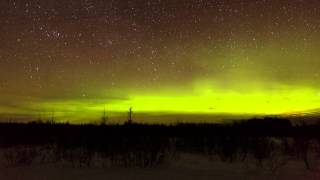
[74, 58]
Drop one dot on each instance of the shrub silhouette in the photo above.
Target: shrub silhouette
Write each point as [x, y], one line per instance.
[138, 145]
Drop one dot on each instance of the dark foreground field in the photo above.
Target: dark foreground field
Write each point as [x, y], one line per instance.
[258, 147]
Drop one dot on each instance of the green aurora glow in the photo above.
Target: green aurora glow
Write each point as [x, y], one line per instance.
[165, 58]
[287, 101]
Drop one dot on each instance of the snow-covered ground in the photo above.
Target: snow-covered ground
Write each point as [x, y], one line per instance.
[187, 166]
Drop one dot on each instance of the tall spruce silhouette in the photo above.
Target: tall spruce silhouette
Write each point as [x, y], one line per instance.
[130, 116]
[104, 117]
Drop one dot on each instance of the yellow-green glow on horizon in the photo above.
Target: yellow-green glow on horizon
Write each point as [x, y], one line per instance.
[163, 58]
[286, 101]
[258, 103]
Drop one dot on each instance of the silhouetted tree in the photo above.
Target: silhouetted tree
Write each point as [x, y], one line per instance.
[130, 116]
[52, 119]
[104, 117]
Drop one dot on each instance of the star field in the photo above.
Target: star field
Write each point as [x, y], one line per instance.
[80, 56]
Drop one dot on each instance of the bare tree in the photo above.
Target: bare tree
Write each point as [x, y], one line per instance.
[52, 120]
[104, 117]
[130, 116]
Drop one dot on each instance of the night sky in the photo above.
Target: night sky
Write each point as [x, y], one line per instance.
[73, 59]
